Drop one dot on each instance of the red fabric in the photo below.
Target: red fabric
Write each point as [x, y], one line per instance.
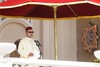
[16, 2]
[96, 1]
[12, 2]
[21, 11]
[41, 11]
[55, 1]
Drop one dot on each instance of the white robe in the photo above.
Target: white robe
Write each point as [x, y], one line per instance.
[26, 46]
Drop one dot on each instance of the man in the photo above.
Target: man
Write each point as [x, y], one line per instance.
[27, 46]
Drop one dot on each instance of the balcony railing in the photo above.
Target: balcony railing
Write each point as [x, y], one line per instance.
[47, 63]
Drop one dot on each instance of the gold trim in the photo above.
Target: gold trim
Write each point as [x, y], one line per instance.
[65, 18]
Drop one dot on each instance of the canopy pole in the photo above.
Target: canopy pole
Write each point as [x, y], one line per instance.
[55, 32]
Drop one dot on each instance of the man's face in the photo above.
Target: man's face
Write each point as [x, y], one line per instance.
[29, 33]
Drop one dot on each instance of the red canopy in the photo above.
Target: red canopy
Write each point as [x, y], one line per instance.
[39, 8]
[45, 2]
[12, 2]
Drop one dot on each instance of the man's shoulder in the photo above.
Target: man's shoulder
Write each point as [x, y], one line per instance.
[24, 38]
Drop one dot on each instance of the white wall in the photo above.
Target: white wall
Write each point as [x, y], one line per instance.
[66, 39]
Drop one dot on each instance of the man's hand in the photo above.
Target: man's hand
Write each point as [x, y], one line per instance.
[30, 55]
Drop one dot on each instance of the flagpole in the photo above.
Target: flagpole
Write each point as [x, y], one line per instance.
[55, 32]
